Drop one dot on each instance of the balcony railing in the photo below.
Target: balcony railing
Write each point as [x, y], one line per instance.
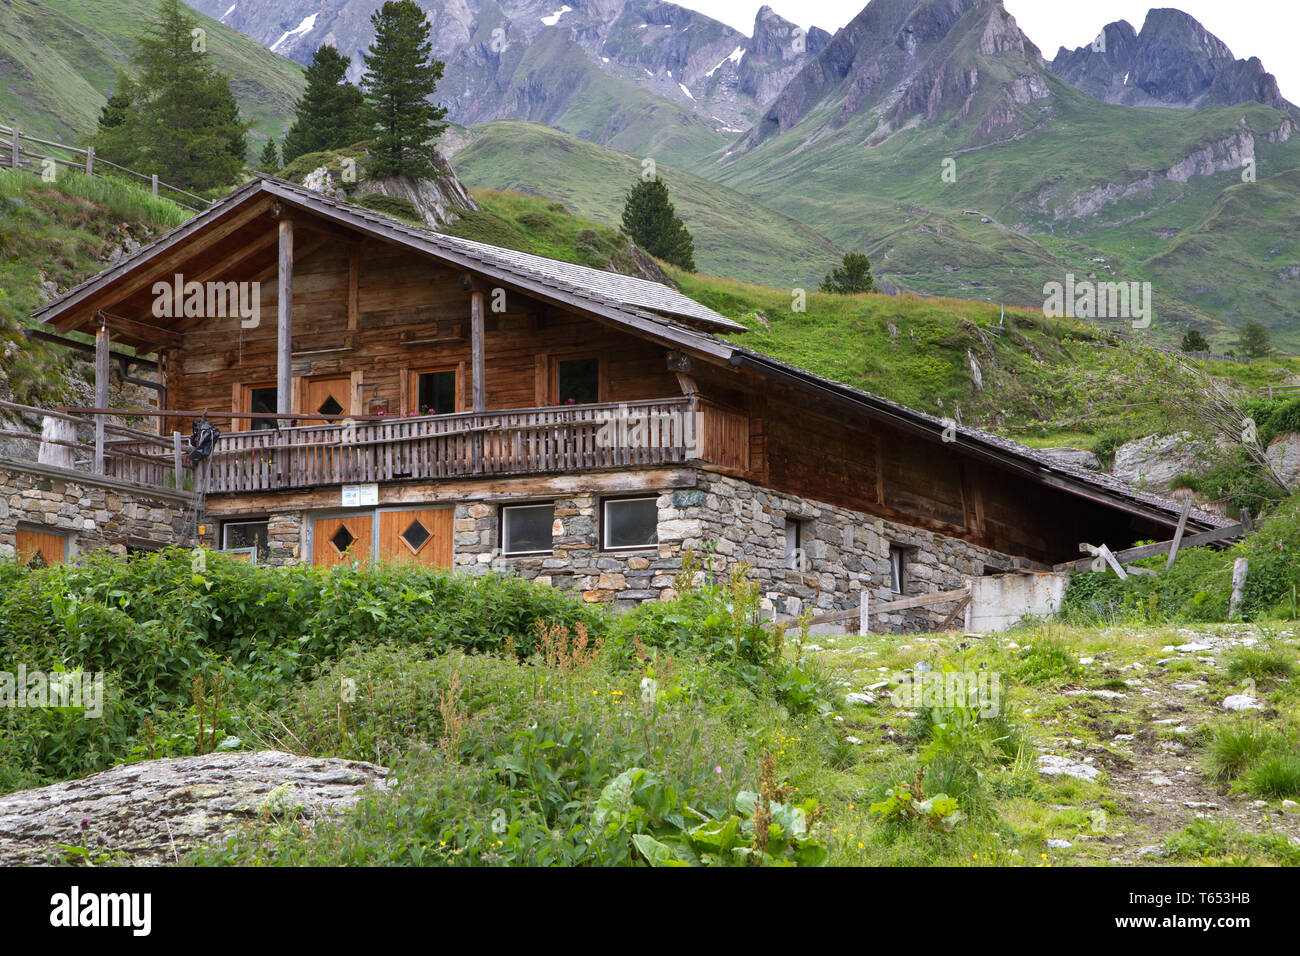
[470, 444]
[569, 438]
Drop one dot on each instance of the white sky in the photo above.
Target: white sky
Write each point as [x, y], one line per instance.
[1268, 29]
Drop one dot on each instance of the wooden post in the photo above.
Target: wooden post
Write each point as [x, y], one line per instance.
[15, 149]
[1178, 533]
[178, 460]
[1239, 569]
[476, 346]
[284, 354]
[101, 392]
[90, 161]
[155, 185]
[54, 430]
[864, 612]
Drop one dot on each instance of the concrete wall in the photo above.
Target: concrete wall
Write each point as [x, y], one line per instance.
[92, 513]
[1000, 601]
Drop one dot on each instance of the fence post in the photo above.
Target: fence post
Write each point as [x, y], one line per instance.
[16, 149]
[155, 185]
[90, 160]
[1239, 569]
[178, 460]
[864, 612]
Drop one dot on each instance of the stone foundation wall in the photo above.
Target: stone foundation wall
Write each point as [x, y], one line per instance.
[94, 514]
[724, 518]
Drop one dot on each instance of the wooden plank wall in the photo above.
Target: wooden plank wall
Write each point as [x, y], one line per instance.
[403, 302]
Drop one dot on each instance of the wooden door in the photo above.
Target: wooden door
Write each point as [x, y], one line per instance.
[51, 548]
[420, 537]
[327, 395]
[341, 540]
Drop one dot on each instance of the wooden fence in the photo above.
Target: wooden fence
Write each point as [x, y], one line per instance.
[865, 609]
[15, 155]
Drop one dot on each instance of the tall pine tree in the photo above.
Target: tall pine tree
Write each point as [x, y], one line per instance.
[269, 162]
[331, 113]
[401, 76]
[182, 121]
[650, 221]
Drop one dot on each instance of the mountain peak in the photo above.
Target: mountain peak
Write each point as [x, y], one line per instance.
[904, 60]
[1174, 61]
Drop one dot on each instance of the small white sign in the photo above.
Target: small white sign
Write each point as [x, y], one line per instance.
[360, 496]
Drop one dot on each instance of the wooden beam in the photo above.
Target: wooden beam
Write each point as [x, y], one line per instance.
[1178, 534]
[101, 393]
[149, 334]
[354, 285]
[476, 348]
[1151, 550]
[284, 323]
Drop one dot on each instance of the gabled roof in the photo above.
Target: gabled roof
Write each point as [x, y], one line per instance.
[637, 296]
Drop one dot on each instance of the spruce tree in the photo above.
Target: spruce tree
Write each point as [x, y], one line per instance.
[401, 75]
[1254, 341]
[269, 162]
[1194, 341]
[114, 140]
[182, 121]
[331, 113]
[851, 277]
[650, 221]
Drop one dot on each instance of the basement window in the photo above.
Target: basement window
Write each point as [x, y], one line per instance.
[796, 558]
[240, 535]
[526, 529]
[898, 569]
[630, 523]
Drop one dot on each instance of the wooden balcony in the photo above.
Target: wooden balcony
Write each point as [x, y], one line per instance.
[525, 441]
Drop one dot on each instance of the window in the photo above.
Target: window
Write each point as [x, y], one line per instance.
[897, 569]
[435, 392]
[263, 400]
[577, 381]
[242, 535]
[40, 549]
[631, 523]
[795, 556]
[526, 529]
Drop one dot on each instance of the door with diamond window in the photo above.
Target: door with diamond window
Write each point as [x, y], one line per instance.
[342, 540]
[328, 395]
[420, 537]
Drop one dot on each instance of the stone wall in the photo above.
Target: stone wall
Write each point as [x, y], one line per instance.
[93, 513]
[722, 518]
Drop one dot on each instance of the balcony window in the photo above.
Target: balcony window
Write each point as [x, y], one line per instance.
[526, 529]
[263, 400]
[577, 381]
[435, 392]
[631, 523]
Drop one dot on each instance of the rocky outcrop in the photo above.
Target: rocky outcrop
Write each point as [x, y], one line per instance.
[1152, 463]
[151, 812]
[1077, 457]
[1174, 62]
[437, 201]
[1283, 456]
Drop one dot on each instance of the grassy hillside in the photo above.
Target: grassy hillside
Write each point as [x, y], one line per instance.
[734, 236]
[51, 238]
[59, 59]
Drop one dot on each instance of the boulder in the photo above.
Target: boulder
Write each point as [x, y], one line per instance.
[1155, 461]
[1283, 456]
[150, 812]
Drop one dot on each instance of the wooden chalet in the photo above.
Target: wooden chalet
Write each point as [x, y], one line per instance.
[406, 395]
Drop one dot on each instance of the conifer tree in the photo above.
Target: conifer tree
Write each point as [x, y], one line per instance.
[852, 276]
[650, 221]
[401, 75]
[331, 113]
[180, 119]
[269, 162]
